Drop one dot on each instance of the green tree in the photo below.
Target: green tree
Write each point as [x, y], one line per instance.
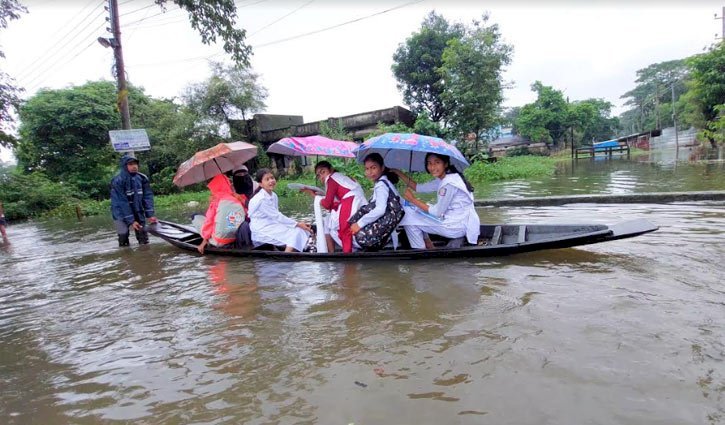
[416, 65]
[471, 71]
[592, 121]
[64, 134]
[654, 89]
[708, 90]
[232, 92]
[547, 119]
[9, 92]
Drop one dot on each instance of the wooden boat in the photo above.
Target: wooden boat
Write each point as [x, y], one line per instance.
[495, 240]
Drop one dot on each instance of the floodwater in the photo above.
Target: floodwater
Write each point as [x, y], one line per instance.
[624, 332]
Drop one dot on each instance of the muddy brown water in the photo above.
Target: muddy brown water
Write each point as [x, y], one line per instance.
[624, 332]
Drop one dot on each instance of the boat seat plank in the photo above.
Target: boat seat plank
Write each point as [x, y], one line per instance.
[497, 233]
[456, 242]
[522, 234]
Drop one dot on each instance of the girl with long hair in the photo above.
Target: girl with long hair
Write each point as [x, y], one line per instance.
[454, 214]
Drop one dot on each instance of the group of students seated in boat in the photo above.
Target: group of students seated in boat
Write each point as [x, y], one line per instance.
[452, 216]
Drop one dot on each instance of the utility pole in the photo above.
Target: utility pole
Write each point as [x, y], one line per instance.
[119, 68]
[722, 18]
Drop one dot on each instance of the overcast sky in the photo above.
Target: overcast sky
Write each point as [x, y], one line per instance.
[324, 58]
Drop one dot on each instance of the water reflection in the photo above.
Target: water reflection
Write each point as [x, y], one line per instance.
[90, 333]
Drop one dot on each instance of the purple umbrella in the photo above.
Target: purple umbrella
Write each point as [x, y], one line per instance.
[313, 145]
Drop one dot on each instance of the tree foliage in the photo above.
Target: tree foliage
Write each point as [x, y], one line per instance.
[64, 134]
[26, 195]
[547, 118]
[9, 92]
[216, 19]
[416, 65]
[651, 99]
[592, 121]
[708, 90]
[232, 92]
[471, 71]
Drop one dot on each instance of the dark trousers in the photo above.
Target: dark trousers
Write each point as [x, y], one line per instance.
[123, 231]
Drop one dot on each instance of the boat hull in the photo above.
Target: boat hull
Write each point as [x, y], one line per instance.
[494, 241]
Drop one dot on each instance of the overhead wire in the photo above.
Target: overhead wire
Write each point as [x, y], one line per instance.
[288, 38]
[281, 18]
[44, 55]
[48, 66]
[307, 34]
[54, 65]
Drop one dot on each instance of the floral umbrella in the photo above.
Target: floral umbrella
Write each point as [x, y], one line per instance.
[407, 151]
[215, 160]
[313, 145]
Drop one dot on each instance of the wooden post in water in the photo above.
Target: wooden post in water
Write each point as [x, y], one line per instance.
[79, 213]
[2, 225]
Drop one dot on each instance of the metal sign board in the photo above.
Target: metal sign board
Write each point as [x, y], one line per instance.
[129, 140]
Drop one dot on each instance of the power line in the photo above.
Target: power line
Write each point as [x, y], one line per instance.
[138, 10]
[194, 59]
[51, 65]
[59, 40]
[281, 18]
[336, 26]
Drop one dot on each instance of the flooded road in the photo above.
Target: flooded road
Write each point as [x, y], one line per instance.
[624, 332]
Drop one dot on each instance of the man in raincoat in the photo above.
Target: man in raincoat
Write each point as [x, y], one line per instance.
[132, 202]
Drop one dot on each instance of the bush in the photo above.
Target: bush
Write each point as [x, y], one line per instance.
[29, 195]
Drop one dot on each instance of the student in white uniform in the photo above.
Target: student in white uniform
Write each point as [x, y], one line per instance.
[268, 224]
[454, 209]
[385, 181]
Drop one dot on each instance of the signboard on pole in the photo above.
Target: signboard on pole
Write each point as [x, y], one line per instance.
[129, 140]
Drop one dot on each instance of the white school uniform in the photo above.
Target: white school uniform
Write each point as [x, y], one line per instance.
[458, 218]
[381, 190]
[270, 226]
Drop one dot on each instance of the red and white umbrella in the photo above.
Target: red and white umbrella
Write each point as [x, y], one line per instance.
[215, 160]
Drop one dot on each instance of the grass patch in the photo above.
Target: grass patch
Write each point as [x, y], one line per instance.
[510, 168]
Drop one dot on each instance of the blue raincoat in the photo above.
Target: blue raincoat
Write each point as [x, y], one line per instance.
[131, 196]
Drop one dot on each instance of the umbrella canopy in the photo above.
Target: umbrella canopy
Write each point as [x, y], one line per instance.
[215, 160]
[313, 145]
[407, 151]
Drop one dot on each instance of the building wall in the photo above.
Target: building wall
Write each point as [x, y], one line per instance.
[267, 129]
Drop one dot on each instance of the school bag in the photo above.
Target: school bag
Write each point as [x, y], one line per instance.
[376, 235]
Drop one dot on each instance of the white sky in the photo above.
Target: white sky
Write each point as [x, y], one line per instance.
[586, 50]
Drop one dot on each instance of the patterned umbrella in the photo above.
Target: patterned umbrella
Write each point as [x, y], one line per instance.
[407, 151]
[313, 145]
[215, 160]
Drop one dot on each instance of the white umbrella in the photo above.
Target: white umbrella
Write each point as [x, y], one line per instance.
[215, 160]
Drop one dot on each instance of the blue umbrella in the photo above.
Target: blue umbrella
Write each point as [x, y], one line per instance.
[407, 151]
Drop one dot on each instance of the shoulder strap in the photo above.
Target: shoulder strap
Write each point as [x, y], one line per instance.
[387, 183]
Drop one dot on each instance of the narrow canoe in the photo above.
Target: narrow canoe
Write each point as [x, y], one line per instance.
[495, 240]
